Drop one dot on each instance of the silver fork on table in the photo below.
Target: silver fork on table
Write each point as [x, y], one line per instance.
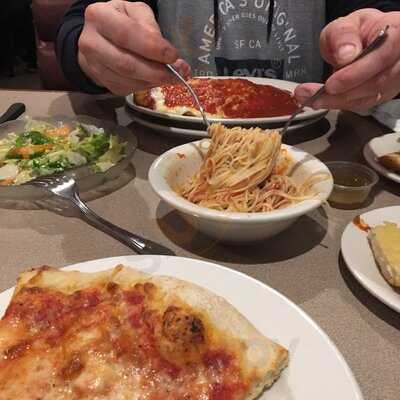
[65, 187]
[372, 46]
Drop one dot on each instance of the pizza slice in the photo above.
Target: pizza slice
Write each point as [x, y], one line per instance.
[122, 334]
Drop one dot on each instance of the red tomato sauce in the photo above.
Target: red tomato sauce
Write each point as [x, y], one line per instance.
[129, 331]
[361, 224]
[236, 98]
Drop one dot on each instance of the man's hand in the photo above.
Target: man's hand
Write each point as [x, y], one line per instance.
[122, 49]
[369, 81]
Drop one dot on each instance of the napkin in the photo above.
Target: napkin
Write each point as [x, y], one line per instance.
[387, 114]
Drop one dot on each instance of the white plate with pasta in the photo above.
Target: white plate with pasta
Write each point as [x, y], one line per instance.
[240, 188]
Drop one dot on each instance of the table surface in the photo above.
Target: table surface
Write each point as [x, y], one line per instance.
[303, 263]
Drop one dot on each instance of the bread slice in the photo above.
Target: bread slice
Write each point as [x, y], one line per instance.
[385, 243]
[391, 161]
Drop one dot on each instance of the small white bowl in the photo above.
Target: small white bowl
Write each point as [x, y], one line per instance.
[177, 165]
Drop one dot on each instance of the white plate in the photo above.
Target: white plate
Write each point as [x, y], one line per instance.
[360, 259]
[176, 131]
[380, 146]
[285, 85]
[316, 370]
[170, 130]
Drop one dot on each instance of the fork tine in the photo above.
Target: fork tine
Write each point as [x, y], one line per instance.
[41, 181]
[50, 182]
[37, 183]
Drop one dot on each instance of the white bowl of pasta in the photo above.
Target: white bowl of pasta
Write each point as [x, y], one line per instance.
[237, 195]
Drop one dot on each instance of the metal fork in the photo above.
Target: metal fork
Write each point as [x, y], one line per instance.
[65, 187]
[372, 46]
[192, 92]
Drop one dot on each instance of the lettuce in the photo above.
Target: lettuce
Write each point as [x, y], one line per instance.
[84, 145]
[31, 137]
[39, 126]
[23, 176]
[94, 146]
[43, 166]
[113, 155]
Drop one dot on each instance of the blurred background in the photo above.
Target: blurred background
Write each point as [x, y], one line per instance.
[27, 32]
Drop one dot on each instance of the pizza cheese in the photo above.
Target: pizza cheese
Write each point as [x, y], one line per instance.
[220, 98]
[121, 334]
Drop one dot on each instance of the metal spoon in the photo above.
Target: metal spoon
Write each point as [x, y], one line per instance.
[192, 92]
[372, 46]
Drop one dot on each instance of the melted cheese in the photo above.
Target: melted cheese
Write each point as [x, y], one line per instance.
[385, 243]
[159, 99]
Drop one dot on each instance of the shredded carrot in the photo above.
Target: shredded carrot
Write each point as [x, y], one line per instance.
[7, 181]
[26, 151]
[63, 130]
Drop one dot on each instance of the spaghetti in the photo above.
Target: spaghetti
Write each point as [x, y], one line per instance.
[245, 170]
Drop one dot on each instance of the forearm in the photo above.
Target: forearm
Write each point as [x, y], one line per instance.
[67, 46]
[340, 8]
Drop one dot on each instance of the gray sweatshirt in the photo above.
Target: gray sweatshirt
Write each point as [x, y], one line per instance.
[241, 46]
[291, 53]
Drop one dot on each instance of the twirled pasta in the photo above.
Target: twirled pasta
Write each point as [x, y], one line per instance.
[244, 170]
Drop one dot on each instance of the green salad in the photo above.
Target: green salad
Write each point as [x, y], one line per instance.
[45, 149]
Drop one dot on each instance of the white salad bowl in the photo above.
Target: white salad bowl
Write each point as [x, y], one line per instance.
[176, 166]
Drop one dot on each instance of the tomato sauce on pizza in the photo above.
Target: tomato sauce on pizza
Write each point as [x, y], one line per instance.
[121, 334]
[97, 338]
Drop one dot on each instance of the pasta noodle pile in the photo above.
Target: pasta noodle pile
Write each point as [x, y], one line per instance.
[244, 170]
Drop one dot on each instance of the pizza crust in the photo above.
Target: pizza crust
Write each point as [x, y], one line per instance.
[68, 282]
[262, 359]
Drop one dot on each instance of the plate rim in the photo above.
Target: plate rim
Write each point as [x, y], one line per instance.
[348, 373]
[198, 133]
[170, 130]
[359, 276]
[370, 156]
[229, 121]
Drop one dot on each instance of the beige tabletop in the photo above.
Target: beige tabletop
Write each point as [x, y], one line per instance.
[303, 263]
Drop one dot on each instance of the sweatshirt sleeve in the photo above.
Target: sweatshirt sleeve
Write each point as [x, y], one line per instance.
[340, 8]
[67, 46]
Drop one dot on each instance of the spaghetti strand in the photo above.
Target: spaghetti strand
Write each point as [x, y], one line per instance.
[244, 170]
